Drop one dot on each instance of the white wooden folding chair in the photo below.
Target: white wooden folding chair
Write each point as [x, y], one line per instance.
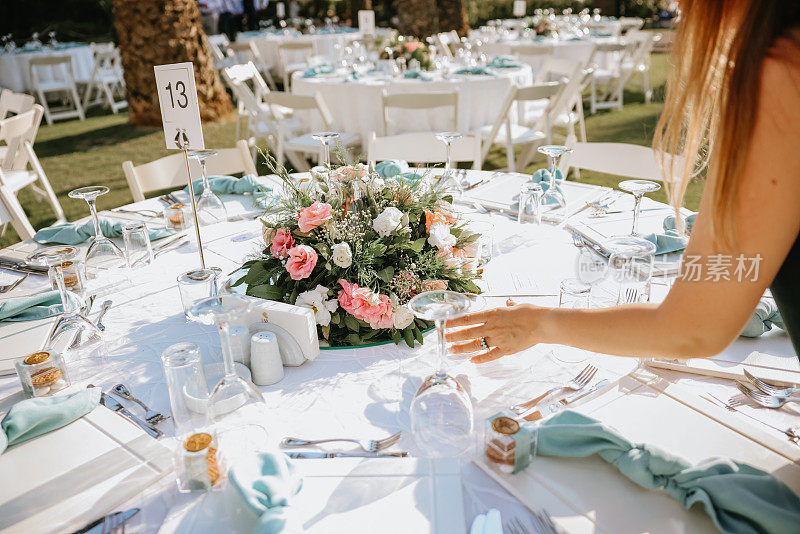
[11, 212]
[288, 52]
[441, 41]
[423, 102]
[294, 140]
[567, 109]
[105, 81]
[14, 103]
[424, 148]
[170, 171]
[63, 84]
[20, 167]
[244, 51]
[608, 83]
[509, 132]
[630, 23]
[219, 50]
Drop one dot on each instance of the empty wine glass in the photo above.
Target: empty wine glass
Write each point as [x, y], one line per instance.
[530, 203]
[630, 267]
[638, 188]
[210, 209]
[103, 258]
[553, 195]
[325, 139]
[237, 407]
[441, 411]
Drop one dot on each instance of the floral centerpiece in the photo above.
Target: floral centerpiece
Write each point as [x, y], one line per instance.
[409, 48]
[355, 248]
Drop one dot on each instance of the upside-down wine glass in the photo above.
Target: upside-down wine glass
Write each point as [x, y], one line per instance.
[447, 138]
[103, 256]
[638, 188]
[441, 411]
[325, 139]
[553, 195]
[210, 209]
[237, 407]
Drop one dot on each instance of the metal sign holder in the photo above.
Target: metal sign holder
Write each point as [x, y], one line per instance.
[182, 141]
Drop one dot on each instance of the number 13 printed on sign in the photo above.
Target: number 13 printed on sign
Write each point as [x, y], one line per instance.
[180, 112]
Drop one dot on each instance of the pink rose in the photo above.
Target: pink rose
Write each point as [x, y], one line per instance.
[358, 302]
[302, 260]
[282, 241]
[313, 216]
[413, 45]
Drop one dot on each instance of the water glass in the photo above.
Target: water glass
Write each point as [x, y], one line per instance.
[574, 294]
[196, 285]
[530, 203]
[187, 386]
[138, 251]
[630, 267]
[485, 243]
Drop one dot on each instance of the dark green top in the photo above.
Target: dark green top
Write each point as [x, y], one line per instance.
[786, 290]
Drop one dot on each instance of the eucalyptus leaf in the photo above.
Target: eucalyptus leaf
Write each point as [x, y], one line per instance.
[351, 322]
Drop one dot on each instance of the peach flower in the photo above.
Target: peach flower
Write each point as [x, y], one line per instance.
[441, 215]
[453, 257]
[314, 215]
[301, 262]
[282, 241]
[432, 285]
[363, 304]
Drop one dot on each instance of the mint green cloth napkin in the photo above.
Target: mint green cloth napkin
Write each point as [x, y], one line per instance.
[75, 233]
[504, 62]
[671, 240]
[31, 418]
[417, 75]
[740, 499]
[669, 223]
[476, 71]
[319, 69]
[38, 306]
[229, 185]
[391, 168]
[765, 315]
[266, 483]
[542, 177]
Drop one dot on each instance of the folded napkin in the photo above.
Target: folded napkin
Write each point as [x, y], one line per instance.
[671, 240]
[391, 168]
[75, 233]
[504, 62]
[765, 315]
[669, 223]
[31, 418]
[542, 176]
[266, 483]
[38, 306]
[739, 498]
[325, 68]
[228, 185]
[476, 71]
[417, 75]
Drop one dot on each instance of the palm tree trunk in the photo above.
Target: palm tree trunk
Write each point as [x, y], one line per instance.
[157, 32]
[417, 17]
[453, 16]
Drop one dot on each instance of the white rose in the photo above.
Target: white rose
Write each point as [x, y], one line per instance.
[403, 317]
[440, 235]
[376, 185]
[316, 300]
[388, 221]
[342, 255]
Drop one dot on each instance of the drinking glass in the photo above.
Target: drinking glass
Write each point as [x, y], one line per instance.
[138, 250]
[210, 209]
[638, 188]
[530, 207]
[449, 176]
[441, 411]
[103, 257]
[325, 139]
[553, 195]
[187, 387]
[72, 267]
[573, 294]
[238, 409]
[630, 267]
[196, 285]
[485, 242]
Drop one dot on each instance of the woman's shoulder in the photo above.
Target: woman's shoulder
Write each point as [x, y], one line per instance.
[780, 72]
[786, 48]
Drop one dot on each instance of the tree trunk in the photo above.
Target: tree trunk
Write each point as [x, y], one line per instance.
[417, 17]
[157, 32]
[453, 16]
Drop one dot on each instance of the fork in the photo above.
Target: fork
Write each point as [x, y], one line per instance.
[631, 296]
[151, 416]
[579, 382]
[767, 401]
[367, 445]
[515, 526]
[769, 389]
[111, 523]
[8, 287]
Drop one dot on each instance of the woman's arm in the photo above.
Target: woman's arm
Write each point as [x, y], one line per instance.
[697, 318]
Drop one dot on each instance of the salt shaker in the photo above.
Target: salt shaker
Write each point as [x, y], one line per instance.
[240, 344]
[266, 365]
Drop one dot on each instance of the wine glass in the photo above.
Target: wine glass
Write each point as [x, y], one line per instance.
[210, 209]
[103, 257]
[449, 176]
[553, 195]
[638, 188]
[237, 407]
[325, 139]
[530, 199]
[441, 411]
[630, 267]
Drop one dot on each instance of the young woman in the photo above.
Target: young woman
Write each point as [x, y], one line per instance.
[733, 108]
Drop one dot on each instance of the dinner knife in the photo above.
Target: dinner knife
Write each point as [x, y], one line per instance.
[559, 404]
[115, 406]
[314, 455]
[116, 519]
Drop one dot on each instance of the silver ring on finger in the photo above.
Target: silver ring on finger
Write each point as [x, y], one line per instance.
[484, 344]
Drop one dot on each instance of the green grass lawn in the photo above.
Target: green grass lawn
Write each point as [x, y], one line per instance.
[90, 152]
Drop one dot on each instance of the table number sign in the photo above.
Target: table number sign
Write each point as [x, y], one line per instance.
[280, 10]
[366, 21]
[519, 8]
[180, 112]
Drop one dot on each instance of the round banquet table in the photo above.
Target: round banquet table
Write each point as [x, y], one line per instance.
[15, 73]
[577, 50]
[325, 44]
[357, 106]
[340, 393]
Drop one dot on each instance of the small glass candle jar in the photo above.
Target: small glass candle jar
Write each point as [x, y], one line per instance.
[178, 217]
[199, 463]
[508, 443]
[74, 276]
[42, 374]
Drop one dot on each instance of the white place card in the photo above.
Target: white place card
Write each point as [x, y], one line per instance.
[520, 7]
[180, 111]
[280, 10]
[366, 21]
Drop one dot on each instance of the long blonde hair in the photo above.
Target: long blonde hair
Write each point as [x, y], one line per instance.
[712, 94]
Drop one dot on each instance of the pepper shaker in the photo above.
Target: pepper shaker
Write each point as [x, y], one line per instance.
[266, 365]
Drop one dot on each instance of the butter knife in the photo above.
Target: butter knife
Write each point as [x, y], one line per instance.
[115, 406]
[559, 404]
[314, 455]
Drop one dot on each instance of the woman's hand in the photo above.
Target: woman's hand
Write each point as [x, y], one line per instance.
[506, 330]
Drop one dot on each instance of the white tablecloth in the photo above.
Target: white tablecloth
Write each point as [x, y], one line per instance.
[357, 106]
[15, 73]
[324, 45]
[348, 392]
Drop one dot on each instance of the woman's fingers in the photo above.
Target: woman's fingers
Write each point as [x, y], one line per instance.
[492, 355]
[466, 333]
[471, 318]
[469, 346]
